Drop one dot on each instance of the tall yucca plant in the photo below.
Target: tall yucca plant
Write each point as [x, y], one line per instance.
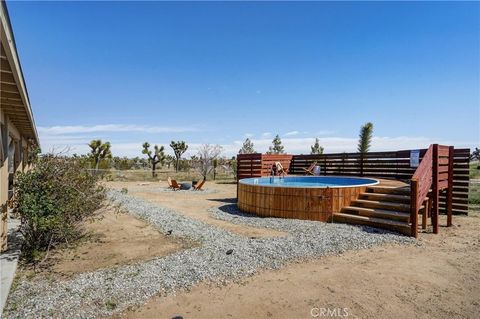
[365, 138]
[364, 141]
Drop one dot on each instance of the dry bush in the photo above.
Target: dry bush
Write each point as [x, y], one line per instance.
[53, 199]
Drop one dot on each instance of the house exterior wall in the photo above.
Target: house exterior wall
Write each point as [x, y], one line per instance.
[3, 182]
[18, 133]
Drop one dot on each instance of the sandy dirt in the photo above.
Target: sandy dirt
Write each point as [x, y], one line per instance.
[195, 205]
[112, 239]
[439, 279]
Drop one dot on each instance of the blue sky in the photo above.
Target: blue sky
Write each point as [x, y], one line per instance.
[219, 72]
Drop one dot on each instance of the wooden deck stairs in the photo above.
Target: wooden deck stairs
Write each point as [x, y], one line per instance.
[386, 207]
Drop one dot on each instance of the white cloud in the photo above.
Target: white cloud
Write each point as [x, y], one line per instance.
[79, 129]
[293, 145]
[248, 135]
[266, 134]
[292, 133]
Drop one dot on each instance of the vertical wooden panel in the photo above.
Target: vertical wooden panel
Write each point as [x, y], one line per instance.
[449, 198]
[435, 190]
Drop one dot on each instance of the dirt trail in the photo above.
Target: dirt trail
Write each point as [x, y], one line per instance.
[438, 280]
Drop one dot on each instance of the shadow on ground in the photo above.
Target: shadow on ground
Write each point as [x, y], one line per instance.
[225, 200]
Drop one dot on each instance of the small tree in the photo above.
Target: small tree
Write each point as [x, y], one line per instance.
[365, 138]
[247, 147]
[316, 148]
[206, 155]
[215, 165]
[179, 148]
[277, 147]
[99, 151]
[169, 159]
[364, 142]
[158, 156]
[233, 166]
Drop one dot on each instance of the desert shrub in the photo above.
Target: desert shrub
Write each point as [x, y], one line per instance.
[53, 199]
[474, 194]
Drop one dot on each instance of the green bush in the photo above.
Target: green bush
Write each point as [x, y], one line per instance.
[474, 194]
[53, 199]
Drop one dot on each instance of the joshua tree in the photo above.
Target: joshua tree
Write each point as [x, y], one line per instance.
[316, 148]
[179, 147]
[364, 141]
[157, 157]
[99, 151]
[277, 147]
[247, 147]
[206, 155]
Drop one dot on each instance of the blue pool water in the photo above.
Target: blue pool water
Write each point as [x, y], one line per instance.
[309, 181]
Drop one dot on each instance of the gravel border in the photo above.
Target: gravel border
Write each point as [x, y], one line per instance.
[108, 291]
[169, 190]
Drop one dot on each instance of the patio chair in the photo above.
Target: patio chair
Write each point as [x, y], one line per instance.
[172, 184]
[309, 170]
[198, 186]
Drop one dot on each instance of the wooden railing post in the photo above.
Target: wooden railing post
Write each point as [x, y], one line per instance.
[449, 198]
[414, 208]
[425, 213]
[435, 190]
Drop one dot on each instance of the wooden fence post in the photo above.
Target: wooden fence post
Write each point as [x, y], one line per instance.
[425, 214]
[435, 190]
[449, 198]
[414, 208]
[361, 164]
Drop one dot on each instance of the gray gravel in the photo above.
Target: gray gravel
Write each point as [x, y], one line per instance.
[169, 190]
[108, 291]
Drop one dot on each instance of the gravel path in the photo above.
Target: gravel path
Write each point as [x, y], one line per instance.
[169, 190]
[108, 291]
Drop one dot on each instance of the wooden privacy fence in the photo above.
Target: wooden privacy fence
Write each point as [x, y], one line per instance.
[389, 165]
[257, 164]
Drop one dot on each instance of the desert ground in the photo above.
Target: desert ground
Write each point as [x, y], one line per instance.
[437, 279]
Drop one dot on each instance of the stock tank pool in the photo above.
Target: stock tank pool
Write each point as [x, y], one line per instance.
[300, 197]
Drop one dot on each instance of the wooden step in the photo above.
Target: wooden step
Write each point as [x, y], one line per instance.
[405, 190]
[386, 197]
[401, 227]
[377, 213]
[381, 205]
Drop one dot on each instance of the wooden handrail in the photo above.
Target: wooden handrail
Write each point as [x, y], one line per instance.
[429, 176]
[419, 187]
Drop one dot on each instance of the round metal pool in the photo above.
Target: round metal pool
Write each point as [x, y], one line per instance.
[301, 197]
